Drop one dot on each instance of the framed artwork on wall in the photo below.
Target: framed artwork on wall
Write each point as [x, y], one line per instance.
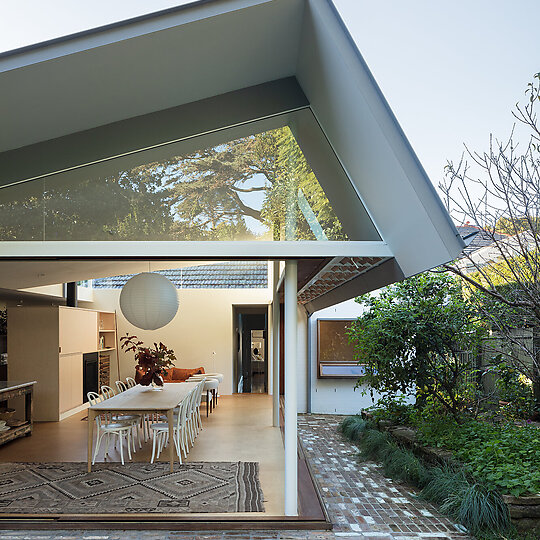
[335, 355]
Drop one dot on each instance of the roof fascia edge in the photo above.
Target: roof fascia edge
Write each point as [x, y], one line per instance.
[120, 31]
[190, 250]
[393, 131]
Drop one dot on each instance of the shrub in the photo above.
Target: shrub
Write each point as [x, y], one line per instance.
[404, 466]
[514, 389]
[393, 408]
[353, 427]
[504, 456]
[478, 508]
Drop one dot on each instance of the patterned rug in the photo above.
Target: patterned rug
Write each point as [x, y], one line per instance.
[66, 488]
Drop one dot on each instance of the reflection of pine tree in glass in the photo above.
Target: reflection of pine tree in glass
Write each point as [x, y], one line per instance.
[244, 189]
[216, 186]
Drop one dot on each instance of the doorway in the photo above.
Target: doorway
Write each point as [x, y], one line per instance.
[251, 349]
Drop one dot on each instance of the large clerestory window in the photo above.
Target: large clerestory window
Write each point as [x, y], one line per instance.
[258, 186]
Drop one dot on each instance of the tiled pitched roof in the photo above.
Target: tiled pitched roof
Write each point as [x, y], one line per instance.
[224, 275]
[480, 240]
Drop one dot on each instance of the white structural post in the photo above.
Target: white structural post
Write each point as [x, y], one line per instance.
[291, 459]
[275, 347]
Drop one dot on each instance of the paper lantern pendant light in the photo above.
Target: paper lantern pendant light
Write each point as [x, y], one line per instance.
[149, 301]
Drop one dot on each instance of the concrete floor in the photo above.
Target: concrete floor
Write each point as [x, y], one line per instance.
[240, 429]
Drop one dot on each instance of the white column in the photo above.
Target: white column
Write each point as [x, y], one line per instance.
[275, 347]
[291, 459]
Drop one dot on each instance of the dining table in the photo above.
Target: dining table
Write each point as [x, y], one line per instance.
[142, 400]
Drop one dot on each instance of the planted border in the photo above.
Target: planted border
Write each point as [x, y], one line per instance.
[475, 505]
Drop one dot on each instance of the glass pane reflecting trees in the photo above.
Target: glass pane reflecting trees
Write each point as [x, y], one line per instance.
[258, 187]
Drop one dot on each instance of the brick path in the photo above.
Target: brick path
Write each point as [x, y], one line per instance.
[361, 502]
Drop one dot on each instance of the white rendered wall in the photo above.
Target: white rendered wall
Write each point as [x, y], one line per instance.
[334, 396]
[202, 326]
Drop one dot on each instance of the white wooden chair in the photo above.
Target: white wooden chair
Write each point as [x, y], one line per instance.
[191, 415]
[210, 387]
[161, 432]
[133, 419]
[130, 381]
[108, 429]
[197, 407]
[121, 386]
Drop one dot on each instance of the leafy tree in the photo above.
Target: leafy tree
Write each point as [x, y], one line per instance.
[127, 205]
[411, 337]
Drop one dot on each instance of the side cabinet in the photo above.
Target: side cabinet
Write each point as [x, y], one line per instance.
[77, 330]
[70, 387]
[47, 344]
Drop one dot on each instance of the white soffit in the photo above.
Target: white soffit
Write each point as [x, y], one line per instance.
[186, 54]
[212, 47]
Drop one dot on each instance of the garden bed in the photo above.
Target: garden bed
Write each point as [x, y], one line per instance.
[524, 510]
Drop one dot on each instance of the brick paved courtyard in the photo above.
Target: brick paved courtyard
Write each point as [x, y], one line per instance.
[359, 499]
[361, 502]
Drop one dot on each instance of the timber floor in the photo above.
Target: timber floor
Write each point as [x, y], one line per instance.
[239, 429]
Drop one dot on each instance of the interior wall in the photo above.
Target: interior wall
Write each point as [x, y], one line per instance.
[201, 334]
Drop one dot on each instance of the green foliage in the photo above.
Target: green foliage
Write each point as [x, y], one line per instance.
[353, 427]
[396, 409]
[404, 466]
[411, 336]
[443, 483]
[375, 444]
[217, 188]
[212, 193]
[514, 389]
[477, 506]
[504, 456]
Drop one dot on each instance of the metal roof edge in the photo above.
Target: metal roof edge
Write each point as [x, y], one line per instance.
[397, 126]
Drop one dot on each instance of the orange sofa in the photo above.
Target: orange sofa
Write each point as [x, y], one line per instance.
[175, 374]
[181, 374]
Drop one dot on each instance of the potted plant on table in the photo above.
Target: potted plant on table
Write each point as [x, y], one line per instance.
[152, 362]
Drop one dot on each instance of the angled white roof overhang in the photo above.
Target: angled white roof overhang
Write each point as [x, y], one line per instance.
[214, 65]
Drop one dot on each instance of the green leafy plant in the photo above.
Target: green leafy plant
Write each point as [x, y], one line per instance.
[411, 339]
[396, 409]
[514, 390]
[504, 456]
[152, 362]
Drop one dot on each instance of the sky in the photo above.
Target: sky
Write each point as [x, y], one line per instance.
[451, 71]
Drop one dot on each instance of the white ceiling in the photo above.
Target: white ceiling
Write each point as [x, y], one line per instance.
[23, 274]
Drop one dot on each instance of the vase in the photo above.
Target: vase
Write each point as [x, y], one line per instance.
[156, 386]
